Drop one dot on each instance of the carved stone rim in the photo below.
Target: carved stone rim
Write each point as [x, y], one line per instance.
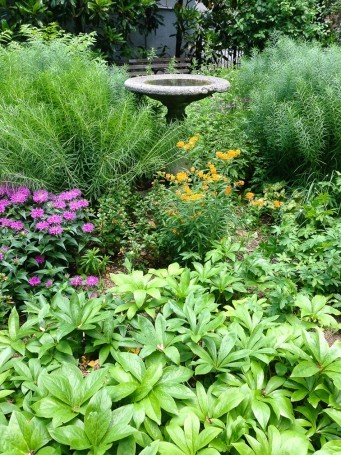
[212, 84]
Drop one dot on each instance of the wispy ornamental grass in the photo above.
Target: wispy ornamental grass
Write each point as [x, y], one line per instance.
[294, 91]
[66, 120]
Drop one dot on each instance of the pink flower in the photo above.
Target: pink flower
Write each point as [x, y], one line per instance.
[69, 195]
[34, 281]
[16, 225]
[20, 195]
[42, 225]
[76, 205]
[37, 213]
[39, 259]
[49, 283]
[40, 196]
[92, 281]
[76, 281]
[54, 219]
[6, 222]
[1, 256]
[58, 204]
[88, 227]
[69, 216]
[55, 230]
[3, 204]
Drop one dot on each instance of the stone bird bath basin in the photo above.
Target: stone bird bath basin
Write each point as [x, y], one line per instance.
[176, 91]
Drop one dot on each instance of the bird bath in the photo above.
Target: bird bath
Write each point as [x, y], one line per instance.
[176, 91]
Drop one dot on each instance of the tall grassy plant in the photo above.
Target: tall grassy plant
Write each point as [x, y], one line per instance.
[294, 92]
[66, 120]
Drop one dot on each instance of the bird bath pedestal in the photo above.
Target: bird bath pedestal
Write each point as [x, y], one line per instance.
[176, 91]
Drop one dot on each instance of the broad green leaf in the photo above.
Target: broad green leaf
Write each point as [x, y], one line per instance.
[167, 448]
[226, 401]
[206, 436]
[152, 449]
[261, 412]
[305, 369]
[72, 436]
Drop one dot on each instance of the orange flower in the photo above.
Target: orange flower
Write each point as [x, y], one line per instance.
[228, 190]
[181, 177]
[258, 202]
[174, 231]
[250, 196]
[277, 204]
[180, 144]
[239, 183]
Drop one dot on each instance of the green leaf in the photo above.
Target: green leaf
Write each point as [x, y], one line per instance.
[152, 449]
[167, 448]
[207, 435]
[334, 414]
[13, 324]
[140, 297]
[261, 412]
[226, 401]
[72, 436]
[305, 369]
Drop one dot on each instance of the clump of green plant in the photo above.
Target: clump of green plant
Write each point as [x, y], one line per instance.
[180, 377]
[294, 106]
[66, 120]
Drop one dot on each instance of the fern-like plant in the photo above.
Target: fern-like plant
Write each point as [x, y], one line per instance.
[66, 120]
[294, 91]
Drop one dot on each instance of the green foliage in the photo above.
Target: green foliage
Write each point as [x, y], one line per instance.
[294, 106]
[75, 126]
[239, 25]
[189, 380]
[112, 20]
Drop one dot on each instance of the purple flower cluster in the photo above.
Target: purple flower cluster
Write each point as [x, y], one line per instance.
[35, 218]
[89, 281]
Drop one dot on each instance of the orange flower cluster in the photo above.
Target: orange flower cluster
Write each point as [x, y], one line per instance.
[192, 142]
[229, 155]
[277, 204]
[249, 196]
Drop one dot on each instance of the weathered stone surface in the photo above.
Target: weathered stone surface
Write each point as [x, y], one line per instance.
[176, 91]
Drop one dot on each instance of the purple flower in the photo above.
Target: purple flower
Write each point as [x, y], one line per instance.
[93, 295]
[40, 196]
[37, 213]
[88, 227]
[3, 204]
[34, 281]
[6, 222]
[92, 281]
[20, 196]
[55, 230]
[69, 216]
[49, 283]
[42, 225]
[54, 219]
[39, 259]
[58, 204]
[76, 281]
[69, 195]
[3, 190]
[16, 225]
[76, 205]
[1, 256]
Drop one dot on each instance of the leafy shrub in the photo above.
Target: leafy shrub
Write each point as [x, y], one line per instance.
[66, 120]
[193, 380]
[40, 233]
[294, 106]
[111, 20]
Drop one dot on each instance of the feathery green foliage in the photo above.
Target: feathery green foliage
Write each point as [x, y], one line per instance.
[294, 90]
[66, 120]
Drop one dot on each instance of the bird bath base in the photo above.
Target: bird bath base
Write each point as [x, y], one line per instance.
[176, 91]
